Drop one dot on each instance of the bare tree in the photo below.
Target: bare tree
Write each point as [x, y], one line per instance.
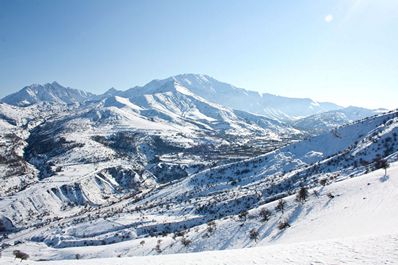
[283, 224]
[383, 163]
[243, 214]
[185, 241]
[253, 234]
[280, 207]
[265, 214]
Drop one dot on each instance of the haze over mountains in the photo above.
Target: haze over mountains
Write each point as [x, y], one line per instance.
[185, 164]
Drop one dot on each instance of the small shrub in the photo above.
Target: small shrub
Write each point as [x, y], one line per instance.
[330, 195]
[158, 249]
[265, 214]
[211, 227]
[185, 241]
[20, 255]
[243, 214]
[253, 234]
[323, 182]
[280, 207]
[283, 224]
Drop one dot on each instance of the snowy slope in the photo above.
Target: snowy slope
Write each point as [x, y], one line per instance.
[365, 250]
[174, 102]
[325, 121]
[271, 106]
[15, 126]
[347, 150]
[356, 226]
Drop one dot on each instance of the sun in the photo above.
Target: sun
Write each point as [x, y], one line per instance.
[328, 18]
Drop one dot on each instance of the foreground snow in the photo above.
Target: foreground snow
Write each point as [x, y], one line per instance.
[362, 250]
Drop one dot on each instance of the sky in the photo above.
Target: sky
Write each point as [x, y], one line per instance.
[342, 51]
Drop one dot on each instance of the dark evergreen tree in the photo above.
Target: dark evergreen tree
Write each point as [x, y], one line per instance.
[382, 163]
[302, 194]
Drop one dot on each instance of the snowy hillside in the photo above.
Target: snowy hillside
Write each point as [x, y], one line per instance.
[325, 121]
[15, 126]
[355, 226]
[271, 106]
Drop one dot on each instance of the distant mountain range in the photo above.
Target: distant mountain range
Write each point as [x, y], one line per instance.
[50, 92]
[206, 87]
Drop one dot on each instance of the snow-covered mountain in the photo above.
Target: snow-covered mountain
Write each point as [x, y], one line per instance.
[271, 106]
[325, 121]
[203, 86]
[155, 126]
[50, 92]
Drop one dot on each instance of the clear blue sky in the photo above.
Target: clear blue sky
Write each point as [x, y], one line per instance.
[345, 51]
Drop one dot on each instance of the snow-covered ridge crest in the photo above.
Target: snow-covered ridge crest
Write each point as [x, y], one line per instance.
[50, 92]
[204, 86]
[271, 106]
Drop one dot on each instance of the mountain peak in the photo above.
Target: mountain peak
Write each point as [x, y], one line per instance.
[111, 92]
[271, 106]
[49, 92]
[191, 76]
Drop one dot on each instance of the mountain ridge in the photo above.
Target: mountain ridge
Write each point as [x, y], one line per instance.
[271, 106]
[49, 92]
